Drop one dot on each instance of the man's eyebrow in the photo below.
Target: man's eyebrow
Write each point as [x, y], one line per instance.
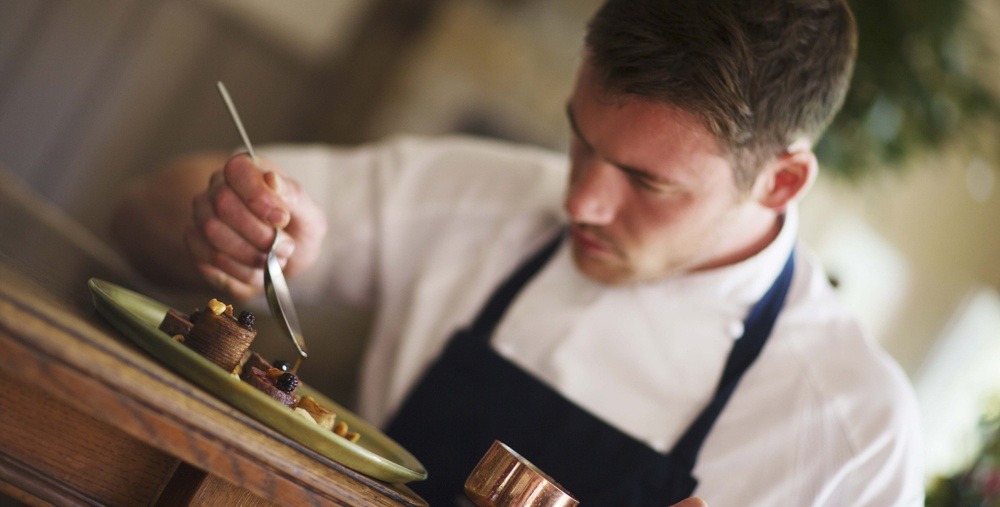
[633, 171]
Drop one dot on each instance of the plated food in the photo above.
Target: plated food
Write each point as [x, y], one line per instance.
[138, 318]
[223, 337]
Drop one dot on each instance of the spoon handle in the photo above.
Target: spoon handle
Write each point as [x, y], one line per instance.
[236, 119]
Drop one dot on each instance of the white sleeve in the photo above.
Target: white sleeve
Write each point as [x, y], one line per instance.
[343, 183]
[887, 469]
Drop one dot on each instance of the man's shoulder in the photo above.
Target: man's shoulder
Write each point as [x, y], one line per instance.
[834, 358]
[408, 152]
[456, 148]
[472, 175]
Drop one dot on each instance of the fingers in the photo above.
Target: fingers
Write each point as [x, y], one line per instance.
[232, 214]
[691, 502]
[228, 241]
[262, 199]
[219, 280]
[226, 231]
[241, 198]
[204, 253]
[306, 228]
[235, 221]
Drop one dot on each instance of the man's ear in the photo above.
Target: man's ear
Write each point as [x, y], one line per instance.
[787, 177]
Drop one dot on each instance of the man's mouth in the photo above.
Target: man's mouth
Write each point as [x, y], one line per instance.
[589, 242]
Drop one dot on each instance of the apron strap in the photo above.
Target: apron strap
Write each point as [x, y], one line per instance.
[498, 303]
[757, 328]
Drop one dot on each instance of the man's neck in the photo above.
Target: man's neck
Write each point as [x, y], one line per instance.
[755, 242]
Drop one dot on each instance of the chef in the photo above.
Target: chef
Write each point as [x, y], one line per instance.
[637, 318]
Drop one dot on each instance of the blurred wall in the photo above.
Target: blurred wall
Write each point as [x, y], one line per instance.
[94, 92]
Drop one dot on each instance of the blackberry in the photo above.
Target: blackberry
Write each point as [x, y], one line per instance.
[246, 319]
[195, 315]
[281, 364]
[287, 382]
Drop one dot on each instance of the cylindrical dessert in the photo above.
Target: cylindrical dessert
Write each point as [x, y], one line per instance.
[220, 338]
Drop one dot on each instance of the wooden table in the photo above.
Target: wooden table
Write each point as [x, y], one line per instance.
[88, 419]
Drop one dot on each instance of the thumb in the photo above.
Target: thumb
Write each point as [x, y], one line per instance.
[280, 186]
[277, 183]
[691, 502]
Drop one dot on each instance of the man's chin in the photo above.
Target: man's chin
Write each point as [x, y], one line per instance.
[600, 270]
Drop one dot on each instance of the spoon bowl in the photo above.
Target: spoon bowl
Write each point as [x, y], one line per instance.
[279, 300]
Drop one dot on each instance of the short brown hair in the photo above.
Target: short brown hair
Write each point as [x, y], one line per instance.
[759, 73]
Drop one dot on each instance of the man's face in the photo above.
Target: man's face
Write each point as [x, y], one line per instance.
[651, 193]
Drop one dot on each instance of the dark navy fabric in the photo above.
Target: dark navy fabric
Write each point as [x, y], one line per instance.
[471, 396]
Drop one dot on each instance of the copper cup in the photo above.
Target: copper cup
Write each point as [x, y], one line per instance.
[505, 479]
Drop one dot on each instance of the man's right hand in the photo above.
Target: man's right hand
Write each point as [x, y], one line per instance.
[691, 502]
[235, 221]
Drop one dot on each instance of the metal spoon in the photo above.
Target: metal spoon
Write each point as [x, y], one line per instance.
[275, 288]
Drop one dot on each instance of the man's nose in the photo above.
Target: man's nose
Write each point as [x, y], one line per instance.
[593, 194]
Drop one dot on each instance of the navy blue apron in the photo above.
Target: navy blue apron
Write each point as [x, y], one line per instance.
[471, 396]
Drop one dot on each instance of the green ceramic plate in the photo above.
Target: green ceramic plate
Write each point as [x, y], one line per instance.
[375, 455]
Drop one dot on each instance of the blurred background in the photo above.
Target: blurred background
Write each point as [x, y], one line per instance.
[906, 213]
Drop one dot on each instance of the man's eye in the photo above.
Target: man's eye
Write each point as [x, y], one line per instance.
[644, 182]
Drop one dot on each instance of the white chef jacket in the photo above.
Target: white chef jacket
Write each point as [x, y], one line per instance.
[423, 230]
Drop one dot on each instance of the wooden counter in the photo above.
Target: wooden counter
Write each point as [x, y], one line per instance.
[88, 419]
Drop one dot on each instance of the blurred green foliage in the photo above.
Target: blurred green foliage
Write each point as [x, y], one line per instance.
[914, 87]
[977, 485]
